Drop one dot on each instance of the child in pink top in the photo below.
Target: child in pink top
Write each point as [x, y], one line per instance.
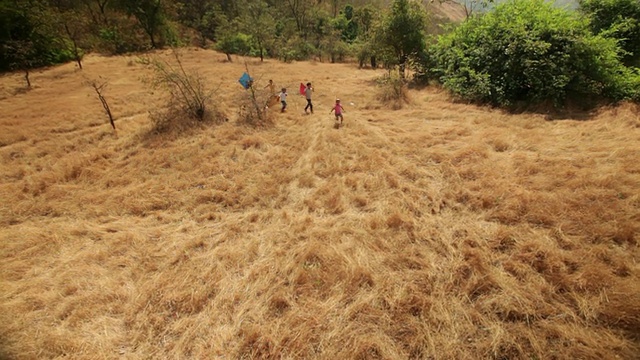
[338, 110]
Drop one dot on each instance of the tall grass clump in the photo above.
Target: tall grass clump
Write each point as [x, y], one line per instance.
[529, 52]
[190, 98]
[392, 90]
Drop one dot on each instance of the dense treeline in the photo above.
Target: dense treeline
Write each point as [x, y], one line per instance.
[518, 51]
[42, 32]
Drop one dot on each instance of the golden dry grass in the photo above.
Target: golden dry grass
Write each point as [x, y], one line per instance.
[439, 231]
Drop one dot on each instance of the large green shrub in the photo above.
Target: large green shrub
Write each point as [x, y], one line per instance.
[529, 52]
[618, 19]
[295, 49]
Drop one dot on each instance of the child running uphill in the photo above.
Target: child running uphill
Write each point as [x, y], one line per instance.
[273, 98]
[307, 94]
[338, 110]
[283, 99]
[272, 87]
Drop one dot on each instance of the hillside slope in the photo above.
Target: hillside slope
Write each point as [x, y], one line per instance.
[441, 230]
[445, 11]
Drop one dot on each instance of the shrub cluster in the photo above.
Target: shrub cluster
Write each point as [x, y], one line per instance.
[190, 99]
[617, 19]
[529, 52]
[254, 110]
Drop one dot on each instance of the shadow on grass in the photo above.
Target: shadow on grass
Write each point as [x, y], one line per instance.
[575, 108]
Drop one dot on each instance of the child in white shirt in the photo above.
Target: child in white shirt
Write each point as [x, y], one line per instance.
[283, 99]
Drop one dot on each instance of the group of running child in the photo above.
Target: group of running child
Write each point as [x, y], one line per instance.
[308, 90]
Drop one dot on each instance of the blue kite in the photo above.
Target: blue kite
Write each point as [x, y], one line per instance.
[245, 80]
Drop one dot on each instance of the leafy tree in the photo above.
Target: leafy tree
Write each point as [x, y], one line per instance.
[50, 31]
[299, 11]
[335, 6]
[333, 42]
[528, 51]
[400, 35]
[27, 37]
[72, 27]
[150, 17]
[200, 15]
[232, 41]
[320, 32]
[363, 20]
[14, 26]
[97, 10]
[230, 8]
[260, 24]
[22, 57]
[72, 23]
[618, 19]
[350, 31]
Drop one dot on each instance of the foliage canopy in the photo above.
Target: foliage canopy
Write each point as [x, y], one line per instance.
[529, 52]
[617, 19]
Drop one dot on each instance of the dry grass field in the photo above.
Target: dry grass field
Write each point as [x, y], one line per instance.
[437, 231]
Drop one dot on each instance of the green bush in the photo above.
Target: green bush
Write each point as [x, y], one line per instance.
[296, 49]
[529, 52]
[618, 19]
[27, 40]
[171, 34]
[64, 54]
[237, 43]
[119, 39]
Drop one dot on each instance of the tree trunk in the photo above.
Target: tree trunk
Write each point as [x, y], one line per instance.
[94, 18]
[26, 77]
[403, 65]
[229, 57]
[76, 51]
[153, 40]
[374, 62]
[261, 50]
[102, 5]
[78, 58]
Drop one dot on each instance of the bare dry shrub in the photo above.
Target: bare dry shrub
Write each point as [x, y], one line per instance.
[190, 99]
[99, 86]
[393, 91]
[249, 115]
[253, 108]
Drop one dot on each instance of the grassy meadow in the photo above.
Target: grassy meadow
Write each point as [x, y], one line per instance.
[440, 230]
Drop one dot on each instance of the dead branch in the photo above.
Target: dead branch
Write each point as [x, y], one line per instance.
[99, 88]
